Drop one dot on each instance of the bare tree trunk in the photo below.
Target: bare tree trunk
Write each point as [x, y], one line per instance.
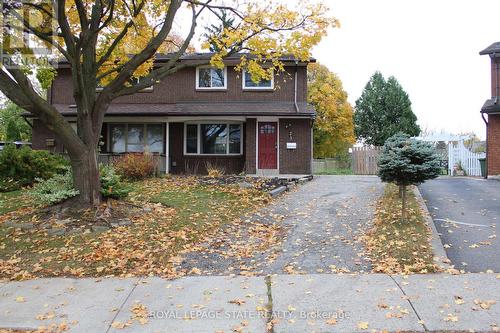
[402, 189]
[86, 178]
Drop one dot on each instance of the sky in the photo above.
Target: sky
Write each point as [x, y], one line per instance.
[431, 47]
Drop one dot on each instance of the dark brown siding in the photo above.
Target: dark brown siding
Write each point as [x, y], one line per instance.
[295, 161]
[181, 87]
[181, 164]
[40, 134]
[250, 146]
[493, 140]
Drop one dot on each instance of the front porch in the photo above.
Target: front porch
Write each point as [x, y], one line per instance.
[262, 146]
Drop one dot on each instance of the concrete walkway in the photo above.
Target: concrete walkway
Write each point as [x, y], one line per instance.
[287, 303]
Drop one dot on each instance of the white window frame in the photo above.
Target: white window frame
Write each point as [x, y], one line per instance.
[243, 83]
[210, 88]
[198, 145]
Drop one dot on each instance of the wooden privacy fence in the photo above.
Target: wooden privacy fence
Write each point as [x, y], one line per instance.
[364, 160]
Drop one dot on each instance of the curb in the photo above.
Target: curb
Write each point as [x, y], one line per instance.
[291, 184]
[440, 257]
[277, 191]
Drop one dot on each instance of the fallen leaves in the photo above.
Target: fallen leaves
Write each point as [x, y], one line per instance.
[363, 325]
[153, 244]
[396, 246]
[237, 301]
[485, 305]
[451, 318]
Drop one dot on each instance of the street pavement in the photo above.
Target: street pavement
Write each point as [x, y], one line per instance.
[466, 212]
[285, 303]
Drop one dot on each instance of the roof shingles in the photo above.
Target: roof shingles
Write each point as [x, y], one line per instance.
[202, 109]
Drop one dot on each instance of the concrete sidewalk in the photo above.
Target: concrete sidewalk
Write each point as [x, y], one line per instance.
[287, 303]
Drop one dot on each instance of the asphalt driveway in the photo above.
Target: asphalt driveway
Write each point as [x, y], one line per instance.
[318, 225]
[466, 212]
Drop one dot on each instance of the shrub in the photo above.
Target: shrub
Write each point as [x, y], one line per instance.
[54, 190]
[20, 167]
[213, 170]
[135, 166]
[405, 161]
[111, 185]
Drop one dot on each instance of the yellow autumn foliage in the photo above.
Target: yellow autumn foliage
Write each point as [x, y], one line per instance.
[266, 30]
[334, 127]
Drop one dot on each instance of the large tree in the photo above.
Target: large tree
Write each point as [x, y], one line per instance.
[112, 43]
[333, 128]
[383, 110]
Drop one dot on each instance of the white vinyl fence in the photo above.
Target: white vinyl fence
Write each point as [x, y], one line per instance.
[459, 154]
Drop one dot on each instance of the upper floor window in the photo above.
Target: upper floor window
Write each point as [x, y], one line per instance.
[211, 78]
[262, 84]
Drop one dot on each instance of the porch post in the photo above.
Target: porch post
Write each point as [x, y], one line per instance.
[167, 131]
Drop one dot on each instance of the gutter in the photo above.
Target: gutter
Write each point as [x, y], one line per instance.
[295, 88]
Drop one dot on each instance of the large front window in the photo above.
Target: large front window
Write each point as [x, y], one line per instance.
[213, 139]
[136, 138]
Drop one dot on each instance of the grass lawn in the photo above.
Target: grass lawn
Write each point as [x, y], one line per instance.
[398, 246]
[335, 171]
[11, 201]
[169, 214]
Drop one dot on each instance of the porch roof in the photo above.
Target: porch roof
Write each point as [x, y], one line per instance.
[491, 106]
[202, 109]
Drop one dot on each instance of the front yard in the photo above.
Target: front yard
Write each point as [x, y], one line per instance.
[163, 216]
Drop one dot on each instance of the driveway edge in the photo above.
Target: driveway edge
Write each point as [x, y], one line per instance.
[440, 256]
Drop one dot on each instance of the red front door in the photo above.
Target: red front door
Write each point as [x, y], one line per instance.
[268, 147]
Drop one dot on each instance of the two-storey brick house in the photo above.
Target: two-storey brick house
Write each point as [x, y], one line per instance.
[491, 108]
[202, 116]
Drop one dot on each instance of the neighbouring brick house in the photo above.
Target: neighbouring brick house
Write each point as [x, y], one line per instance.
[491, 112]
[202, 116]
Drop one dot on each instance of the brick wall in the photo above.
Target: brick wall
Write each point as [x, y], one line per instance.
[495, 77]
[295, 161]
[181, 87]
[493, 140]
[250, 130]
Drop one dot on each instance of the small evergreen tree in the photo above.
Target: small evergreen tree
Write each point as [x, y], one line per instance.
[383, 110]
[405, 161]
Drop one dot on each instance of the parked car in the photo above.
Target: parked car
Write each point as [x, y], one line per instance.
[18, 144]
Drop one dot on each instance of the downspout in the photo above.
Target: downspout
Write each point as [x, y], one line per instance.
[486, 122]
[295, 88]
